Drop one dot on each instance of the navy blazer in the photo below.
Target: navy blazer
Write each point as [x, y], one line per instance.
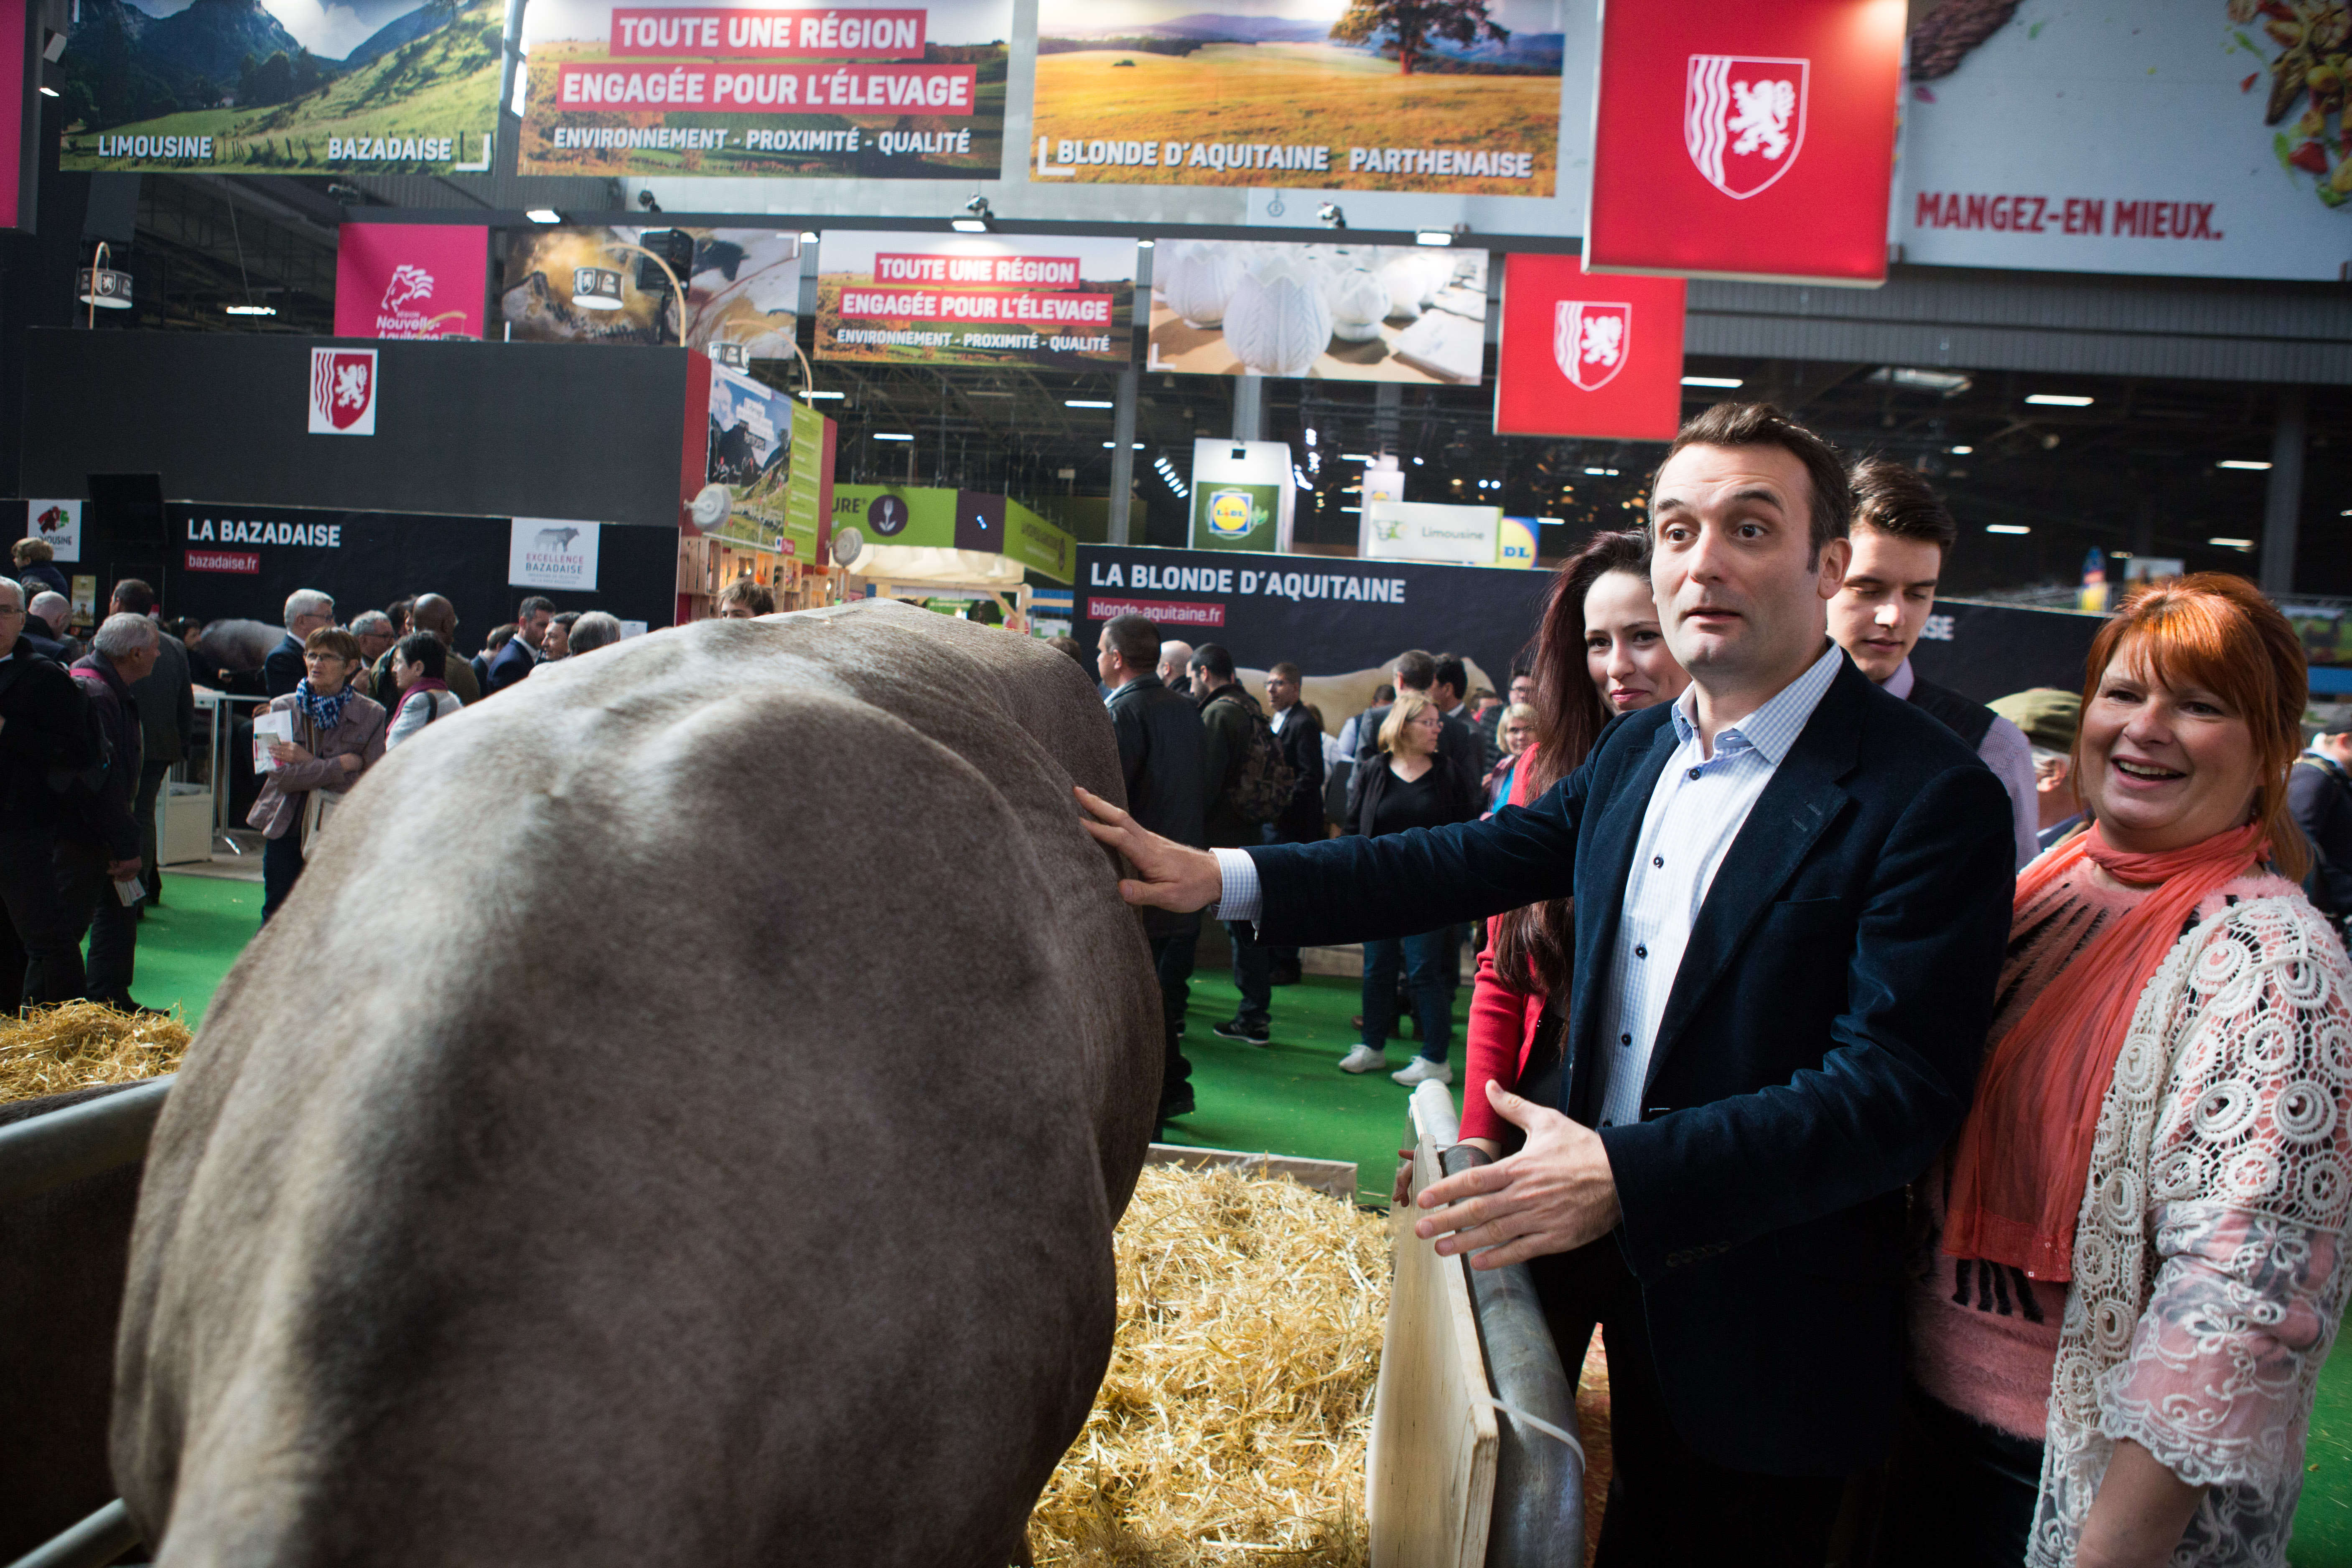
[514, 662]
[282, 669]
[1819, 1046]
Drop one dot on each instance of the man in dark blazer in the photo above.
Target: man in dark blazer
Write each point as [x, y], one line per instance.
[1162, 759]
[307, 610]
[1791, 897]
[1299, 732]
[521, 656]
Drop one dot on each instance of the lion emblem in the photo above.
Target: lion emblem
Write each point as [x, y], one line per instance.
[409, 282]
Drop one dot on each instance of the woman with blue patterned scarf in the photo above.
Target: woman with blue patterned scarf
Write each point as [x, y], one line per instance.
[339, 735]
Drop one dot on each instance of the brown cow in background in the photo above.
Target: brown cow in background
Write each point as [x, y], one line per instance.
[679, 1117]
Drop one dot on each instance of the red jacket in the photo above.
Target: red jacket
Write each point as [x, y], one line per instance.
[1503, 1018]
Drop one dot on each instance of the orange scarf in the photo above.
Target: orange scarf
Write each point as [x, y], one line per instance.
[2024, 1152]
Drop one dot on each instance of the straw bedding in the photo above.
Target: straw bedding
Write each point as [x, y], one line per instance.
[1230, 1425]
[81, 1045]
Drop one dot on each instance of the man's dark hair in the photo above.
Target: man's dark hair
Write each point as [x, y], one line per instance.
[1136, 640]
[1077, 652]
[533, 605]
[398, 610]
[567, 619]
[747, 593]
[1762, 425]
[1450, 672]
[1213, 658]
[424, 648]
[1383, 693]
[1415, 670]
[499, 636]
[1892, 498]
[134, 596]
[1286, 671]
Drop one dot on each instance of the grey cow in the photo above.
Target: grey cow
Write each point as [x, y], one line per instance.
[705, 1149]
[556, 538]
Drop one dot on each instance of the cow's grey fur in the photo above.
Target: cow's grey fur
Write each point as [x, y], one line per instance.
[679, 1117]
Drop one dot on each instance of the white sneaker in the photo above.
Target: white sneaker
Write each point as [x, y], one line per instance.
[1363, 1058]
[1421, 1070]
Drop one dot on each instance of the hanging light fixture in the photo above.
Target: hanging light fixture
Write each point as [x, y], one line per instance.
[99, 284]
[596, 288]
[734, 356]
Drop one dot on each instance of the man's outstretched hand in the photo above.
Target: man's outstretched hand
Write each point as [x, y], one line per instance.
[1554, 1195]
[1168, 875]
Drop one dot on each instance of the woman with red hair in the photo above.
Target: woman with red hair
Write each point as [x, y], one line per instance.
[2133, 1269]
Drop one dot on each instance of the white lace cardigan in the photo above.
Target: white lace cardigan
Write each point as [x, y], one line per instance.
[2209, 1273]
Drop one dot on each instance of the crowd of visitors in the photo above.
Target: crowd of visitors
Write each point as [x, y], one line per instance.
[89, 737]
[1964, 1214]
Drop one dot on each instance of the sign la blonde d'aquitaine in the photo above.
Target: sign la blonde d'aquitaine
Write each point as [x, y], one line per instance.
[1385, 95]
[823, 92]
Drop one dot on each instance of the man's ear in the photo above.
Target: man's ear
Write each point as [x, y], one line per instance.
[1837, 555]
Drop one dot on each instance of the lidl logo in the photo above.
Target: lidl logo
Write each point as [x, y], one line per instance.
[1230, 514]
[1515, 541]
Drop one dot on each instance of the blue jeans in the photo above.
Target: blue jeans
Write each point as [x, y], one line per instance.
[1423, 959]
[1253, 974]
[281, 863]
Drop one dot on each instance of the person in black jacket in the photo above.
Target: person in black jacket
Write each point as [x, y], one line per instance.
[1160, 759]
[1299, 728]
[307, 610]
[1403, 788]
[1792, 898]
[167, 721]
[44, 736]
[521, 656]
[2319, 794]
[98, 838]
[1229, 721]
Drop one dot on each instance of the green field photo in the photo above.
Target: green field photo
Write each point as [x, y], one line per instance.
[1297, 94]
[443, 84]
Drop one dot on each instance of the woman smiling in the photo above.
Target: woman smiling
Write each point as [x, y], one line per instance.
[2136, 1271]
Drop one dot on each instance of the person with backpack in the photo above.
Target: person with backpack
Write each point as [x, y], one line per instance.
[46, 737]
[418, 660]
[2319, 795]
[98, 848]
[1249, 784]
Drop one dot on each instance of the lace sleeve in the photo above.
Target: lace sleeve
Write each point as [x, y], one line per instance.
[2247, 1189]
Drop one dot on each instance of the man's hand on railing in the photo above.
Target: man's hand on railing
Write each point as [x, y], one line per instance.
[1168, 875]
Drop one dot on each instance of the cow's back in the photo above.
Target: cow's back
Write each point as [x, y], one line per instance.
[680, 1116]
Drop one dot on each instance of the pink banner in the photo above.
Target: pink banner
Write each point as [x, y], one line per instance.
[933, 305]
[410, 280]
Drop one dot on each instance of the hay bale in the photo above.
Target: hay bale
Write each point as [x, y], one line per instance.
[81, 1045]
[1230, 1425]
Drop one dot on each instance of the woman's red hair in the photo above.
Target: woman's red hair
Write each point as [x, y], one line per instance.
[2219, 632]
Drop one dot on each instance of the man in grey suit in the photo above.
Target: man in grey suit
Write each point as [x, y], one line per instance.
[167, 721]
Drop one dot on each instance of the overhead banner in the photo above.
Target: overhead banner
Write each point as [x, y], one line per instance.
[551, 552]
[1066, 303]
[1426, 530]
[2163, 137]
[1334, 313]
[1744, 140]
[1362, 95]
[410, 280]
[924, 516]
[1242, 495]
[1595, 355]
[1343, 621]
[232, 87]
[744, 287]
[853, 90]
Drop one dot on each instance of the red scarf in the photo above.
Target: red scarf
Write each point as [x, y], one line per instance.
[2024, 1152]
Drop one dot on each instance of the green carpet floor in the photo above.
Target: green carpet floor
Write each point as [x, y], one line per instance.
[1288, 1098]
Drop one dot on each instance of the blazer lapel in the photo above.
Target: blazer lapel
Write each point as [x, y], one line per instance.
[1604, 859]
[1800, 801]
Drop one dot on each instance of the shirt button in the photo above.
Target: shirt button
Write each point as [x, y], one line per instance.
[1693, 773]
[1657, 859]
[1640, 951]
[1625, 1039]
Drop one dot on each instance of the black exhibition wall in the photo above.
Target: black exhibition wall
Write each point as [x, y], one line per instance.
[591, 431]
[367, 560]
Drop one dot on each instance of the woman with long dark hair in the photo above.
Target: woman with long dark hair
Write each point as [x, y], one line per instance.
[1600, 653]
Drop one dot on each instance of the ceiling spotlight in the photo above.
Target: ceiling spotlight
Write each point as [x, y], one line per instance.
[2007, 527]
[349, 195]
[1084, 403]
[99, 285]
[978, 219]
[1434, 237]
[1144, 244]
[1722, 383]
[1355, 456]
[2231, 543]
[544, 214]
[892, 435]
[48, 92]
[2246, 463]
[808, 236]
[812, 394]
[1962, 451]
[2058, 400]
[1330, 215]
[734, 356]
[645, 200]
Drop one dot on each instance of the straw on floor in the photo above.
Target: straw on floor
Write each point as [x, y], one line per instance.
[1232, 1424]
[81, 1045]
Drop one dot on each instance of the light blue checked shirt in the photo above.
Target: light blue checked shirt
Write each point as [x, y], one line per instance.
[1697, 809]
